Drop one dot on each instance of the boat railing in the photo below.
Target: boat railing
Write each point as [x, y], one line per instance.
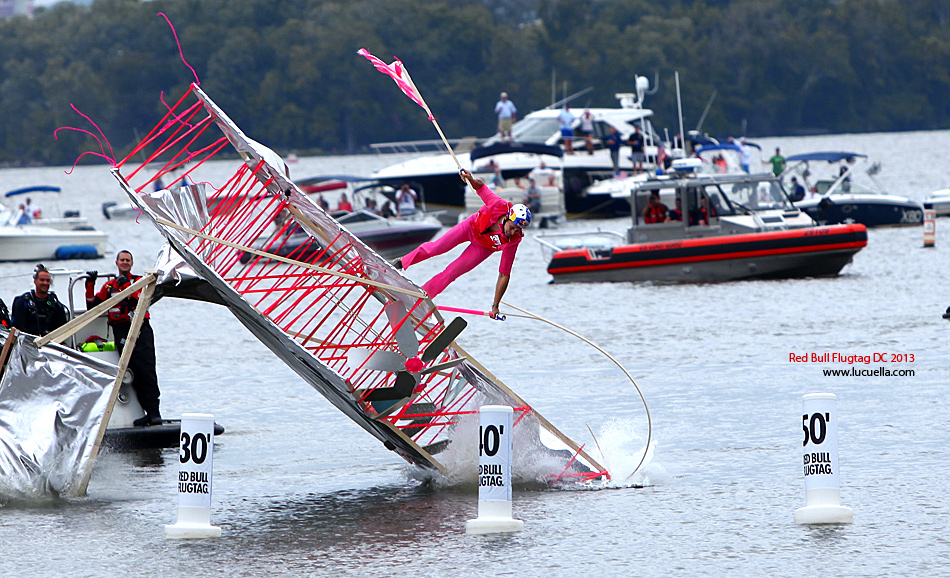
[460, 145]
[598, 239]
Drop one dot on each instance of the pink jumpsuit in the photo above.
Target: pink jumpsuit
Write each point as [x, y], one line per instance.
[482, 244]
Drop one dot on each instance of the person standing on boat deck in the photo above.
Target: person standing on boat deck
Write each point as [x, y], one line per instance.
[507, 114]
[587, 129]
[322, 203]
[613, 141]
[701, 215]
[142, 360]
[566, 118]
[635, 140]
[406, 201]
[388, 212]
[778, 163]
[655, 211]
[745, 155]
[543, 174]
[497, 180]
[497, 226]
[39, 311]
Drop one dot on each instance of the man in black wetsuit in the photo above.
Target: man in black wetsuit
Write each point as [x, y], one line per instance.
[39, 311]
[142, 361]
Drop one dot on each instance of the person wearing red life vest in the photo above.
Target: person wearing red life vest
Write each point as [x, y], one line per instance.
[142, 361]
[655, 211]
[497, 226]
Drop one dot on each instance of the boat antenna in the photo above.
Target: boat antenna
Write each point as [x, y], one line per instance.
[702, 118]
[679, 110]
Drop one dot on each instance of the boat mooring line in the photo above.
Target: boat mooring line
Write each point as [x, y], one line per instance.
[646, 448]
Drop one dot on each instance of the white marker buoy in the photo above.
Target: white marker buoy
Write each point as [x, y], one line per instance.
[930, 225]
[820, 459]
[196, 457]
[494, 473]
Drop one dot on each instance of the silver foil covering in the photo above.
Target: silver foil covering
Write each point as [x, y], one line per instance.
[52, 401]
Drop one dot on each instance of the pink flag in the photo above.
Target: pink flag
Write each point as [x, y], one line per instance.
[398, 73]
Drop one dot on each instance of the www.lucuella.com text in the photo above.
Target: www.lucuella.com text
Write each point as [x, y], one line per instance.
[834, 357]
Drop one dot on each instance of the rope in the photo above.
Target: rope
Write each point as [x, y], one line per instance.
[646, 449]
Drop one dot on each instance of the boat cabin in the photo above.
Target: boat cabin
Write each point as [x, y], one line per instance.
[710, 205]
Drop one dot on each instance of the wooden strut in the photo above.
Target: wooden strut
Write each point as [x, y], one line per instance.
[138, 318]
[5, 353]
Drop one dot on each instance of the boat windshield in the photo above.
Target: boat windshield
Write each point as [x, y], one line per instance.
[755, 195]
[531, 130]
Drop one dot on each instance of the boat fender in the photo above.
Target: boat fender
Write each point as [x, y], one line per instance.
[77, 252]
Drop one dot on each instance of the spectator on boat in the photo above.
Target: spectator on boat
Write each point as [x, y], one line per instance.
[322, 203]
[635, 140]
[507, 115]
[406, 201]
[797, 192]
[677, 213]
[719, 162]
[778, 163]
[745, 155]
[543, 174]
[388, 211]
[371, 206]
[587, 129]
[344, 204]
[142, 360]
[566, 119]
[655, 211]
[845, 182]
[612, 142]
[532, 196]
[32, 210]
[497, 180]
[497, 226]
[701, 215]
[39, 311]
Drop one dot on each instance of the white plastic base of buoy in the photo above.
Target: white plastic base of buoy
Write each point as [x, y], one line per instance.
[494, 517]
[823, 506]
[192, 523]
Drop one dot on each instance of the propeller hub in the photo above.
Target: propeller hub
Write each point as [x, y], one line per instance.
[414, 365]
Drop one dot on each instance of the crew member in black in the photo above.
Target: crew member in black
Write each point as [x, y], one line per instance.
[142, 361]
[4, 315]
[39, 311]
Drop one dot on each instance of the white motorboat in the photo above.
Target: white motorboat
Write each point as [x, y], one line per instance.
[840, 198]
[36, 243]
[939, 201]
[436, 176]
[30, 214]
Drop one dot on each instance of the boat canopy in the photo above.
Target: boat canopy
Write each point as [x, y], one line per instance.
[35, 189]
[509, 148]
[831, 157]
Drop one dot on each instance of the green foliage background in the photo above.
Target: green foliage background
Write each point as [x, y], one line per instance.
[287, 71]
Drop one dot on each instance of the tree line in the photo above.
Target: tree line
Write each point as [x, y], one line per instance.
[287, 71]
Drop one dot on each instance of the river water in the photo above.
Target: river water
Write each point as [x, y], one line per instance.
[301, 491]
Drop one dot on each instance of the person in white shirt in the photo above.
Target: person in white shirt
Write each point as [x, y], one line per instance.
[405, 201]
[507, 114]
[543, 175]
